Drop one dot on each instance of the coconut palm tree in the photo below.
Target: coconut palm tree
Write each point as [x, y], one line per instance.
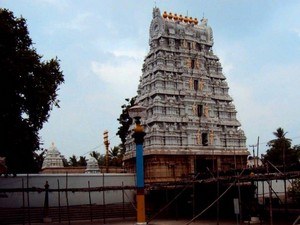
[280, 152]
[73, 161]
[82, 161]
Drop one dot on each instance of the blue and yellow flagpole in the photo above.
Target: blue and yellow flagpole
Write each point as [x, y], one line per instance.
[138, 136]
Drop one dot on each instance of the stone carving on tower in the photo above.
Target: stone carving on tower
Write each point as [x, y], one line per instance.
[191, 120]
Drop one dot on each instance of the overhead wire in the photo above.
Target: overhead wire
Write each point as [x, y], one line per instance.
[176, 197]
[98, 146]
[266, 142]
[203, 211]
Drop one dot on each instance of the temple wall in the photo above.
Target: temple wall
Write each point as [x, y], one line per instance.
[172, 168]
[36, 199]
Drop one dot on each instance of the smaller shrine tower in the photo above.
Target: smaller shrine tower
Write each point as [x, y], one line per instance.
[53, 158]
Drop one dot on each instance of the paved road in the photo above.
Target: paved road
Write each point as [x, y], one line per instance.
[160, 222]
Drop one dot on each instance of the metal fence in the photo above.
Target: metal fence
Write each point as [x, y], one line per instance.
[96, 202]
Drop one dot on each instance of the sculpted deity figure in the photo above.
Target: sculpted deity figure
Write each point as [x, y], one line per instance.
[194, 108]
[211, 137]
[162, 41]
[157, 99]
[171, 42]
[184, 44]
[191, 83]
[175, 126]
[155, 127]
[160, 54]
[206, 110]
[156, 12]
[171, 128]
[197, 64]
[204, 22]
[189, 63]
[193, 45]
[201, 85]
[198, 137]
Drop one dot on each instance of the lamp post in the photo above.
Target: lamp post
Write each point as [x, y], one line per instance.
[106, 143]
[137, 112]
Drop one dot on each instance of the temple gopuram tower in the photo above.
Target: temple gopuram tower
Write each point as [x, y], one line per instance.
[191, 125]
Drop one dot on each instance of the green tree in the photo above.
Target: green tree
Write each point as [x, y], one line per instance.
[294, 190]
[28, 93]
[280, 152]
[39, 157]
[65, 161]
[125, 122]
[115, 156]
[73, 161]
[296, 148]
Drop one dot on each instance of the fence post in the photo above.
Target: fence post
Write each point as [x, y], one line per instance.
[67, 199]
[103, 199]
[59, 207]
[28, 202]
[46, 218]
[23, 198]
[90, 201]
[123, 200]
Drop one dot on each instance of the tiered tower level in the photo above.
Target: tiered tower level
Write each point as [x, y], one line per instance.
[191, 124]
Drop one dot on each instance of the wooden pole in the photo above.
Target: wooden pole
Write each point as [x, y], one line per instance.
[23, 198]
[46, 204]
[90, 201]
[270, 198]
[59, 206]
[103, 199]
[67, 199]
[218, 194]
[123, 201]
[28, 202]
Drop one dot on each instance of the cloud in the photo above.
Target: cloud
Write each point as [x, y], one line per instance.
[58, 4]
[268, 102]
[121, 72]
[296, 31]
[232, 55]
[79, 23]
[135, 54]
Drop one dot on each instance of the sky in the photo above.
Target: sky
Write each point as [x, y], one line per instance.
[101, 46]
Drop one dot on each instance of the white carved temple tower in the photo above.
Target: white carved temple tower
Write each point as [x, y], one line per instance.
[191, 124]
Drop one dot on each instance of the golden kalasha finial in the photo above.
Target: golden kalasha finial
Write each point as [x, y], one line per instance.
[180, 18]
[186, 19]
[165, 15]
[195, 21]
[175, 17]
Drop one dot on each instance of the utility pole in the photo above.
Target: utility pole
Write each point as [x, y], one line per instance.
[106, 143]
[284, 180]
[257, 149]
[270, 197]
[253, 146]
